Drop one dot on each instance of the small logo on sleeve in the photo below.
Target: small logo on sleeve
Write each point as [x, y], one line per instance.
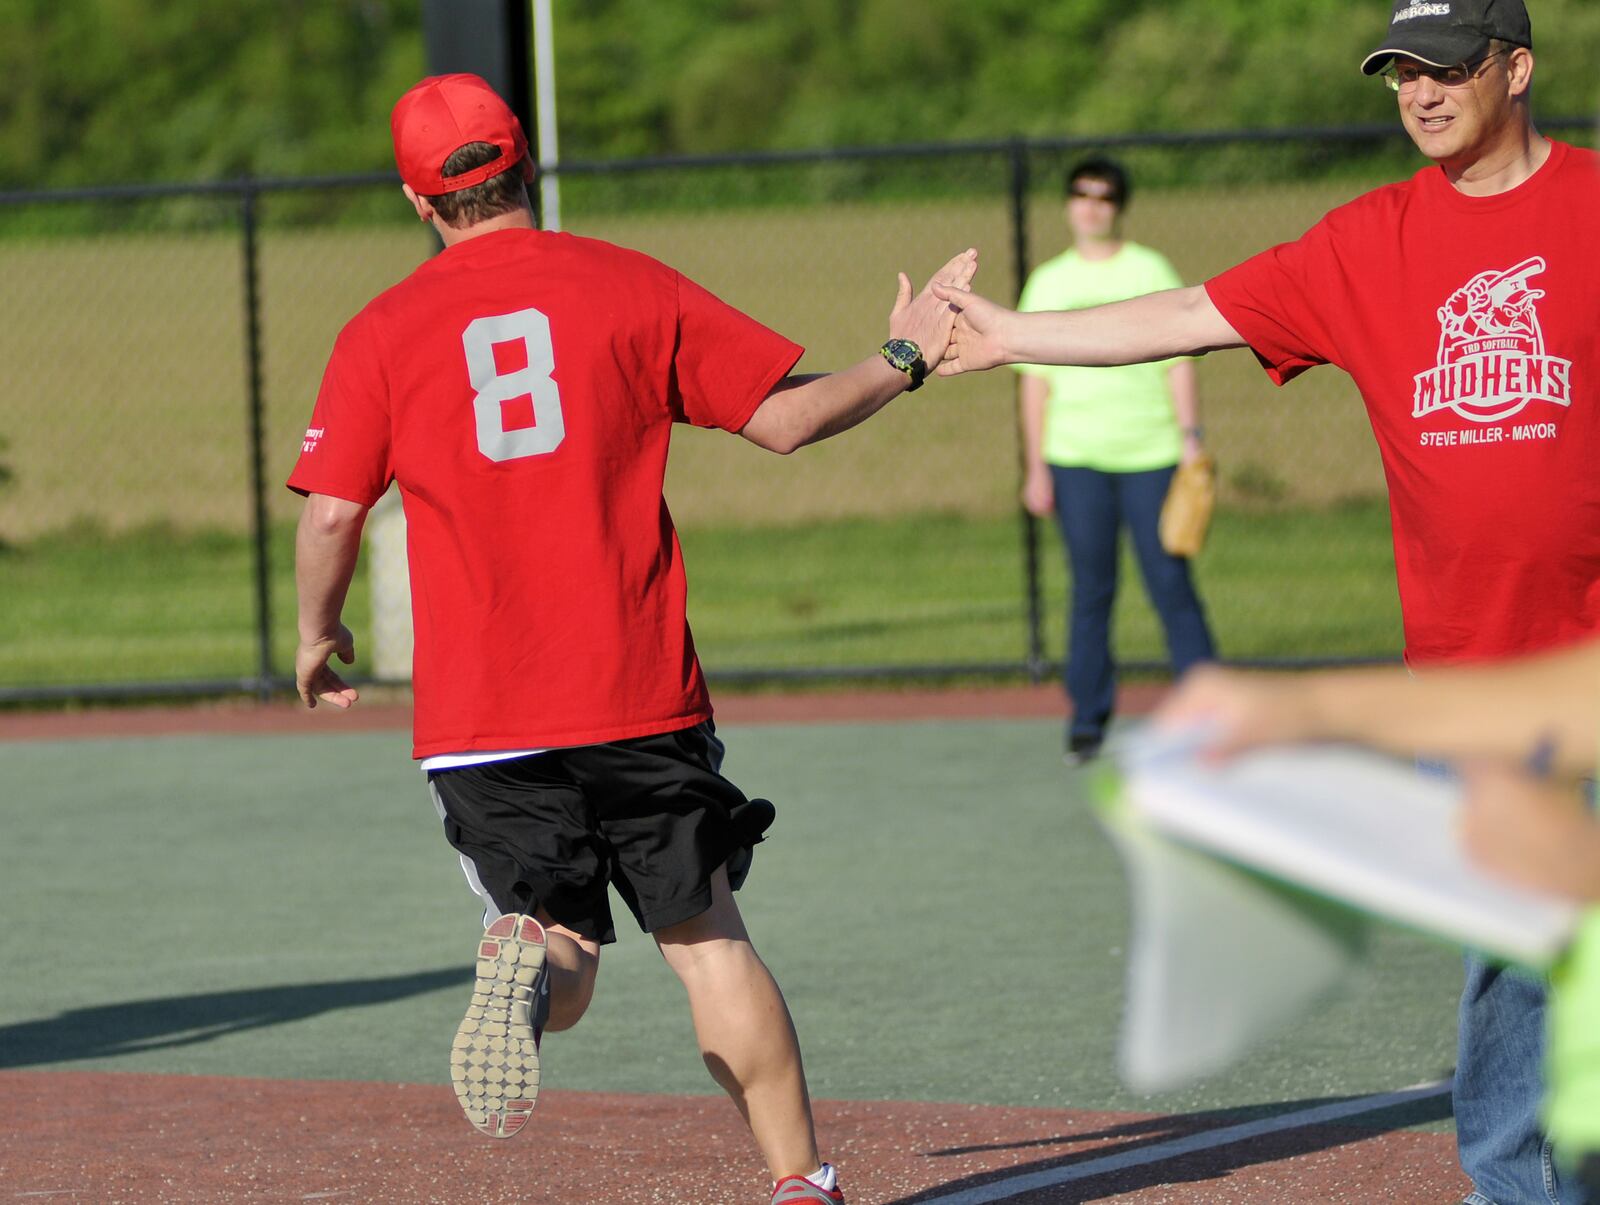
[1492, 361]
[309, 443]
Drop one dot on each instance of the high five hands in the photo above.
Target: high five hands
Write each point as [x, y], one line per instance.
[975, 335]
[927, 319]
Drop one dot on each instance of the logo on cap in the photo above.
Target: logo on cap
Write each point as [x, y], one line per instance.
[1421, 10]
[1447, 32]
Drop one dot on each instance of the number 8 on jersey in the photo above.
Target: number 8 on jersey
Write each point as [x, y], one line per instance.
[494, 388]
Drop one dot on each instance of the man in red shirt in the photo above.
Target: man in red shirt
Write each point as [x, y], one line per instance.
[1463, 303]
[521, 389]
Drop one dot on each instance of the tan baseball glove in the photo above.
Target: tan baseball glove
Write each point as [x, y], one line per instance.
[1186, 513]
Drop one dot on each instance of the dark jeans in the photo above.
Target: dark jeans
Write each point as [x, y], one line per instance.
[1093, 507]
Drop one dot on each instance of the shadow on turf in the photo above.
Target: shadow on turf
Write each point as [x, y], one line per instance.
[1210, 1164]
[106, 1030]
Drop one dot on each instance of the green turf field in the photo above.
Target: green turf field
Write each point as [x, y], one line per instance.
[160, 604]
[947, 923]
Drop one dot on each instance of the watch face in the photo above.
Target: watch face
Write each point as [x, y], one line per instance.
[902, 353]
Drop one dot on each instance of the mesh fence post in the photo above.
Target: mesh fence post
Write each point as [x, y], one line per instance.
[1030, 525]
[260, 530]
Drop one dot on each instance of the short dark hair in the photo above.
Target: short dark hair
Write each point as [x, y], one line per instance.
[1099, 167]
[500, 194]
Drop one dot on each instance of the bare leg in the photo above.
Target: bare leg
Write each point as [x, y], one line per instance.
[574, 962]
[746, 1035]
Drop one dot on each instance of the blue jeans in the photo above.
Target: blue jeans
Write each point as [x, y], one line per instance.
[1499, 1083]
[1093, 507]
[1498, 1088]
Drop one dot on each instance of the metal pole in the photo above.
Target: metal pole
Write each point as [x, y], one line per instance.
[544, 81]
[1030, 525]
[258, 490]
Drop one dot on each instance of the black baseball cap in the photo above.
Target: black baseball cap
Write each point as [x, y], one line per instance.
[1443, 33]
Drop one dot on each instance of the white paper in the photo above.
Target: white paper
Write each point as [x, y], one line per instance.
[1218, 958]
[1254, 883]
[1368, 831]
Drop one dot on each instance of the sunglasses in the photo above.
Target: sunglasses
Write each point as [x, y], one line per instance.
[1398, 77]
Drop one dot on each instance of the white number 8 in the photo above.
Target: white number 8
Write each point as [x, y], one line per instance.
[532, 330]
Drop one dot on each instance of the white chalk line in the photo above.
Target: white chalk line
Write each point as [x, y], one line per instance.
[1001, 1190]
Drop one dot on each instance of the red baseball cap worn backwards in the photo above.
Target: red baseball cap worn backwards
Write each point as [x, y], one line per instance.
[440, 115]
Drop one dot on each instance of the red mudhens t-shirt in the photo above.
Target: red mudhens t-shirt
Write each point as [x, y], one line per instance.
[1471, 326]
[521, 388]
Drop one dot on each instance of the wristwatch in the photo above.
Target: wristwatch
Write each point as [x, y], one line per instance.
[907, 357]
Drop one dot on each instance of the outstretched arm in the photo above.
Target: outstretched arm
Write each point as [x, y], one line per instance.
[1504, 711]
[326, 547]
[1156, 326]
[801, 410]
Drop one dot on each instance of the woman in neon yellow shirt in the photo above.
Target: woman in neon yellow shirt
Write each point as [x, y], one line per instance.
[1099, 449]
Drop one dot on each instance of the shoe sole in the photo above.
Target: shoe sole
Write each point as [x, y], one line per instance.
[494, 1060]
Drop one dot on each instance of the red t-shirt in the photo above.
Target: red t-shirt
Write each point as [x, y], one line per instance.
[1472, 328]
[521, 387]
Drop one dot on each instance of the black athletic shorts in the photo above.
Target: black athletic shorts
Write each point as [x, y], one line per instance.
[651, 816]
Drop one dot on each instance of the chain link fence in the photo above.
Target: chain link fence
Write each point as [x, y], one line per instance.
[164, 346]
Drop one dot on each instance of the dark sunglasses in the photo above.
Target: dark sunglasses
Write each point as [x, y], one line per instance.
[1110, 198]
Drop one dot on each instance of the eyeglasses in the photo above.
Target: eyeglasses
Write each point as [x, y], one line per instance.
[1110, 198]
[1398, 77]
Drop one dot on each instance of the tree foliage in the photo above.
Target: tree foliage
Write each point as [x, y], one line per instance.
[720, 75]
[114, 90]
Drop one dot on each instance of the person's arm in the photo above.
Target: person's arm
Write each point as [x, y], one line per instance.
[1184, 382]
[327, 545]
[802, 410]
[1156, 326]
[1038, 488]
[1505, 710]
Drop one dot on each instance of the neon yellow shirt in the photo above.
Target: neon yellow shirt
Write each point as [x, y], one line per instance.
[1117, 420]
[1572, 1071]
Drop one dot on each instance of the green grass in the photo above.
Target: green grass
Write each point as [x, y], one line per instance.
[125, 429]
[149, 605]
[157, 604]
[949, 589]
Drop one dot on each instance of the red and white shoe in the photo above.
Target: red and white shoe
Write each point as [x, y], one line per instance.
[494, 1060]
[795, 1190]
